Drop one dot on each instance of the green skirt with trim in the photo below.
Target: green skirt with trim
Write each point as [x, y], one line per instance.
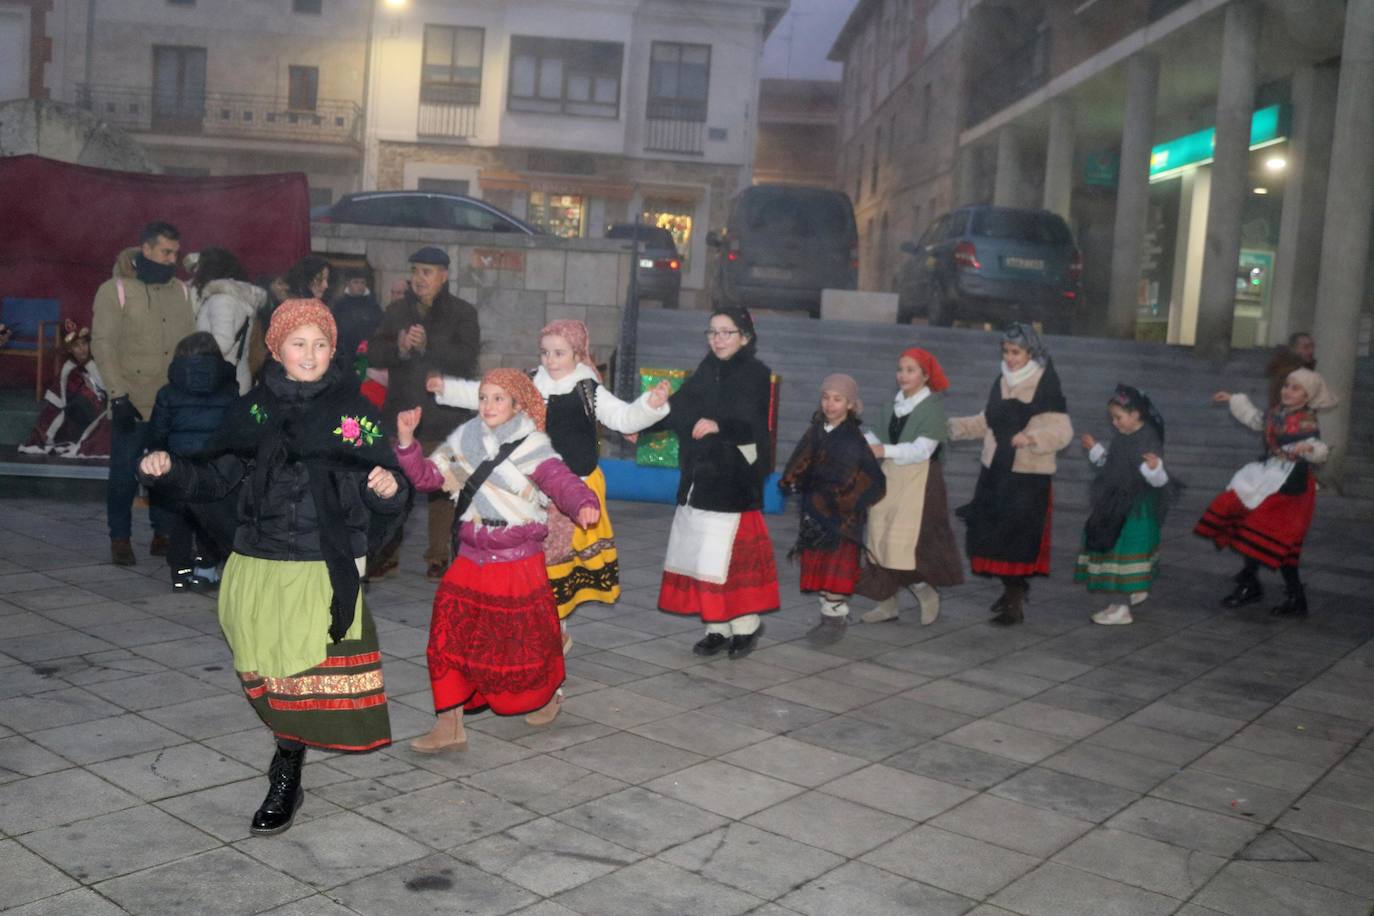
[1133, 562]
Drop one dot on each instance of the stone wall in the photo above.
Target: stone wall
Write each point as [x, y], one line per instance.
[517, 283]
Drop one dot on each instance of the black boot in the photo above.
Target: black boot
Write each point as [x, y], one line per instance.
[1248, 589]
[1013, 602]
[1295, 596]
[284, 794]
[1010, 584]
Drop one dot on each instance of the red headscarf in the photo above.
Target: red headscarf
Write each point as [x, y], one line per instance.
[935, 376]
[518, 385]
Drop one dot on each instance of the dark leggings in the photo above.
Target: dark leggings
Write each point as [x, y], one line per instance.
[1289, 572]
[290, 745]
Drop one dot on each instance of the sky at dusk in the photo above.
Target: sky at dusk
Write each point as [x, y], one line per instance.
[797, 47]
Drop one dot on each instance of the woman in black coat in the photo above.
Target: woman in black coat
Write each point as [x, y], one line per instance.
[720, 558]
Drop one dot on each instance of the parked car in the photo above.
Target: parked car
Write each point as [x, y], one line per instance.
[423, 210]
[659, 275]
[782, 245]
[986, 263]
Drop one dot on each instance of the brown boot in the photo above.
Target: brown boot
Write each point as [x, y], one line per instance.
[548, 713]
[122, 552]
[447, 734]
[158, 546]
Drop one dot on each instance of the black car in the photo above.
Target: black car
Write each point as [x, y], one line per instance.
[421, 210]
[782, 245]
[986, 263]
[659, 275]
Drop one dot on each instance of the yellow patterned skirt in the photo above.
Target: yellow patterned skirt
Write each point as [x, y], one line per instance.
[592, 571]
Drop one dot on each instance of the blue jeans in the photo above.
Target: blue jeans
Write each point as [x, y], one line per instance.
[126, 448]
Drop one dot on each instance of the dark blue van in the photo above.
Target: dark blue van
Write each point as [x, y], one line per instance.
[985, 263]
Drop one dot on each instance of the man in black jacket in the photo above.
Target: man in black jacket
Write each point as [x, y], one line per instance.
[430, 330]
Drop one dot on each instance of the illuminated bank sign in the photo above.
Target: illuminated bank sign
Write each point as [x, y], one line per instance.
[1196, 149]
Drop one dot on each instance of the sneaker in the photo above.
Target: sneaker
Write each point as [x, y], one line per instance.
[830, 630]
[122, 552]
[1113, 615]
[1138, 598]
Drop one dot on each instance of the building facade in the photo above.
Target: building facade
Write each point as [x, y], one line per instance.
[573, 115]
[798, 138]
[210, 87]
[900, 106]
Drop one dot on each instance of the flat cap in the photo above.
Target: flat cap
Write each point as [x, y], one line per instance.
[430, 255]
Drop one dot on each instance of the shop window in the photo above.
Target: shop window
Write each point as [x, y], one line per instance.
[563, 215]
[304, 88]
[452, 69]
[558, 76]
[676, 217]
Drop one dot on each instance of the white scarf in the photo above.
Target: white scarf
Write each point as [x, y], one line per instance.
[903, 405]
[549, 386]
[1014, 377]
[508, 494]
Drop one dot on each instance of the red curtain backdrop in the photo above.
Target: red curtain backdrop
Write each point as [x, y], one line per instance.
[62, 225]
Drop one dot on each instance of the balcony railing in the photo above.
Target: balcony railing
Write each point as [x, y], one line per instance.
[222, 114]
[675, 126]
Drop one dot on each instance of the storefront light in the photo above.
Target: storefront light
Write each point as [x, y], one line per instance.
[1169, 158]
[1275, 164]
[1261, 190]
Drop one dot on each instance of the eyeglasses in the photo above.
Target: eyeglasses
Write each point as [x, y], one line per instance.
[721, 334]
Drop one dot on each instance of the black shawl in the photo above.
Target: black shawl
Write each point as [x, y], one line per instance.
[1117, 485]
[838, 478]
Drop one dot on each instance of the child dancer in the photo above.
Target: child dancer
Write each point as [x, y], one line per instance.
[74, 421]
[582, 562]
[1121, 536]
[201, 385]
[839, 478]
[494, 638]
[1266, 510]
[909, 539]
[307, 457]
[1022, 427]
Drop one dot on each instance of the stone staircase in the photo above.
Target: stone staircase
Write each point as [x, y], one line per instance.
[1205, 446]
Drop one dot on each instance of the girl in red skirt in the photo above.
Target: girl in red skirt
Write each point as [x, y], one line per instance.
[838, 478]
[1267, 508]
[493, 639]
[720, 557]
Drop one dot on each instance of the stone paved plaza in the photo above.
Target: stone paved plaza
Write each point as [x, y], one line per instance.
[1198, 762]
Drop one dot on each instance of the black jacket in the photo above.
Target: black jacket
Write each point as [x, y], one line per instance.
[190, 407]
[283, 523]
[715, 475]
[453, 341]
[356, 317]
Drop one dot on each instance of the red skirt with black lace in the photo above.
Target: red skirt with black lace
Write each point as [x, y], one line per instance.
[494, 639]
[750, 586]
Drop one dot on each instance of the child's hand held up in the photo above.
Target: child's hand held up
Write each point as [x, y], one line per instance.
[1087, 441]
[1151, 460]
[406, 422]
[658, 395]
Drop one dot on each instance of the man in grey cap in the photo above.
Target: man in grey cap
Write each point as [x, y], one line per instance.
[429, 330]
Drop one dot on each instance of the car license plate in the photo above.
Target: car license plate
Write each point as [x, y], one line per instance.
[1024, 263]
[646, 262]
[772, 273]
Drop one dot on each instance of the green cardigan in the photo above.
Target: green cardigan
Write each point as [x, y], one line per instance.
[928, 420]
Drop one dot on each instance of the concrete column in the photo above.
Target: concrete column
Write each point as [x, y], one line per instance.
[1132, 193]
[1192, 221]
[1006, 188]
[1345, 237]
[1230, 179]
[1304, 202]
[1059, 158]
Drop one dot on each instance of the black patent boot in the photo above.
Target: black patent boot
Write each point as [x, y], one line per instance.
[1295, 596]
[1247, 591]
[284, 793]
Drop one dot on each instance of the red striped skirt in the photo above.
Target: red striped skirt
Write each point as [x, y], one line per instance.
[1271, 533]
[835, 571]
[751, 583]
[494, 638]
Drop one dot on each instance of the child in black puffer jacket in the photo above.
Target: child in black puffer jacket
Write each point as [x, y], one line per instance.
[188, 410]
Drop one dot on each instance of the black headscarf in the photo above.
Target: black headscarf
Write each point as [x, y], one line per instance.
[744, 321]
[1134, 399]
[1118, 484]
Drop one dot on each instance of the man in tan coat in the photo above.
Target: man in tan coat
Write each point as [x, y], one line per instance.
[139, 316]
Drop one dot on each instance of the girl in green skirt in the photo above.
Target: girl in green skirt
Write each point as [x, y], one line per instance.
[316, 485]
[1120, 551]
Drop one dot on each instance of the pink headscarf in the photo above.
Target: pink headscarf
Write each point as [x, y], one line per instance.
[575, 333]
[846, 387]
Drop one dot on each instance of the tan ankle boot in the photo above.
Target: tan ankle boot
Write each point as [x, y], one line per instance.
[548, 713]
[930, 603]
[885, 610]
[447, 734]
